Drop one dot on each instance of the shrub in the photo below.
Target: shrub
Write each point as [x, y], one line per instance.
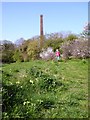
[47, 54]
[33, 50]
[76, 49]
[7, 51]
[17, 56]
[7, 56]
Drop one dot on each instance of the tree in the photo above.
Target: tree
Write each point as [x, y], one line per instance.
[17, 56]
[33, 49]
[86, 30]
[19, 42]
[55, 44]
[71, 37]
[7, 51]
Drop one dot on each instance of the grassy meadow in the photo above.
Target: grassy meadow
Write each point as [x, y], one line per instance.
[45, 89]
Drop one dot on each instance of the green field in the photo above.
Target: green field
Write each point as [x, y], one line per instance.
[45, 89]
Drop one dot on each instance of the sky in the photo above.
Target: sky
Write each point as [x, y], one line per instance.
[22, 19]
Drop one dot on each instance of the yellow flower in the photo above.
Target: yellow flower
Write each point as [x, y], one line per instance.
[24, 103]
[31, 81]
[17, 82]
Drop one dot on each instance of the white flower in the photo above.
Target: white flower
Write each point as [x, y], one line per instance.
[78, 53]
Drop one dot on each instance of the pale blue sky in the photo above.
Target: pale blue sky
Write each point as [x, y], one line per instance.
[21, 19]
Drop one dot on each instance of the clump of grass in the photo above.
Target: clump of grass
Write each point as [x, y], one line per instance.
[16, 70]
[44, 104]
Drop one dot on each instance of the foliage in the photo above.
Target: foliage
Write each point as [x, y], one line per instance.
[7, 51]
[53, 36]
[40, 89]
[26, 50]
[71, 37]
[7, 56]
[55, 44]
[33, 49]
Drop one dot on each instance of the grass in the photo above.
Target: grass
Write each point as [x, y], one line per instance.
[40, 89]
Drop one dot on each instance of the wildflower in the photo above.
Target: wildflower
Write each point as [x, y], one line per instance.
[17, 82]
[27, 102]
[31, 81]
[78, 53]
[1, 89]
[40, 101]
[63, 78]
[36, 79]
[24, 103]
[55, 75]
[24, 75]
[10, 83]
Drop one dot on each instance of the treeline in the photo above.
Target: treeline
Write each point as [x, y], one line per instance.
[70, 45]
[27, 50]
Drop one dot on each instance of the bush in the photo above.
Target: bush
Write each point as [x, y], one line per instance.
[7, 56]
[33, 50]
[17, 56]
[76, 49]
[47, 54]
[7, 51]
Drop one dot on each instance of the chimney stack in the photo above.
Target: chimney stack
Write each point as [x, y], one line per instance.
[41, 31]
[41, 25]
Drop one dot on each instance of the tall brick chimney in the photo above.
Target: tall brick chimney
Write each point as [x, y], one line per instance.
[41, 31]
